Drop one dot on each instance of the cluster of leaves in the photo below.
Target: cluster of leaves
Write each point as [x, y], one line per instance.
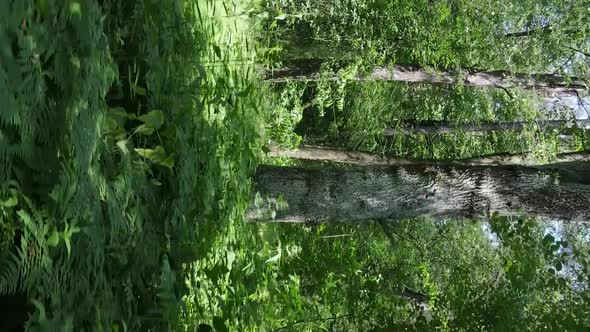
[422, 275]
[520, 36]
[418, 274]
[350, 35]
[371, 107]
[118, 148]
[284, 111]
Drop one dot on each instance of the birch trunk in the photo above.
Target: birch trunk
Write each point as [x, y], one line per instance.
[560, 191]
[547, 84]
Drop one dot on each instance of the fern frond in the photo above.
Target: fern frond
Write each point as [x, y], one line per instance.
[9, 274]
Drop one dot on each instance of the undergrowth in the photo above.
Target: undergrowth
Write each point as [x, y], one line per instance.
[356, 115]
[123, 158]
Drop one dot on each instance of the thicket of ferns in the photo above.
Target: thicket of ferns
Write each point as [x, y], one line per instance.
[101, 231]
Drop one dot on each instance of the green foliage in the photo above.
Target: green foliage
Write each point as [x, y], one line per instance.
[129, 131]
[459, 36]
[422, 275]
[441, 34]
[371, 107]
[283, 112]
[118, 149]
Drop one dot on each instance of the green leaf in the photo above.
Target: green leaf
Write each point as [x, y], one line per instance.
[154, 119]
[219, 324]
[168, 162]
[53, 240]
[217, 51]
[257, 200]
[41, 308]
[549, 238]
[154, 155]
[68, 245]
[120, 112]
[75, 61]
[558, 266]
[138, 89]
[75, 8]
[274, 258]
[507, 264]
[122, 145]
[10, 202]
[144, 130]
[231, 258]
[205, 328]
[42, 7]
[157, 156]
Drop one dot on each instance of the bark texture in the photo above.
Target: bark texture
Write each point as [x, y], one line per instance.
[445, 128]
[319, 153]
[560, 191]
[548, 84]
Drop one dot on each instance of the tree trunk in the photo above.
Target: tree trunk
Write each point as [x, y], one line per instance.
[559, 191]
[445, 128]
[319, 153]
[540, 32]
[547, 84]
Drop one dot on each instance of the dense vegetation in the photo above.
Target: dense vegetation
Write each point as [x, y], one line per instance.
[130, 132]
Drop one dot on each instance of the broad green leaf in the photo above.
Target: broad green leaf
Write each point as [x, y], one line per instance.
[154, 119]
[157, 156]
[144, 130]
[122, 145]
[219, 324]
[138, 89]
[53, 240]
[168, 162]
[75, 8]
[10, 202]
[75, 60]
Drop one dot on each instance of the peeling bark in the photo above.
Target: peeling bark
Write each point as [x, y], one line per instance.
[559, 191]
